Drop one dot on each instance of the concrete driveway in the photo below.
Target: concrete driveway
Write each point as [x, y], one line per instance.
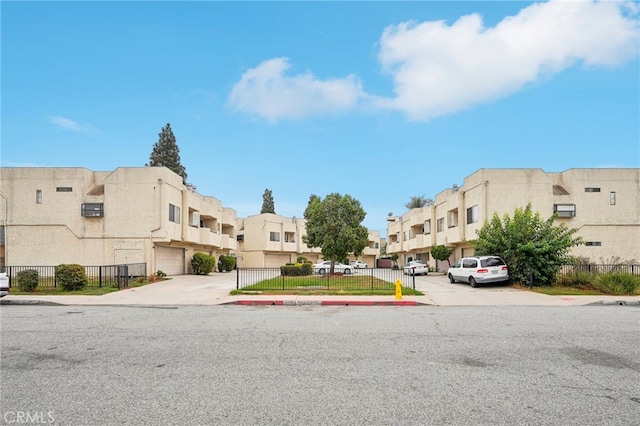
[214, 289]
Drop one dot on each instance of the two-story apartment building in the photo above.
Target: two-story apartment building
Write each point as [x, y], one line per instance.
[50, 216]
[271, 240]
[603, 204]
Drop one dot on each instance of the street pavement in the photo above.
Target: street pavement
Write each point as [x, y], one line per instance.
[214, 289]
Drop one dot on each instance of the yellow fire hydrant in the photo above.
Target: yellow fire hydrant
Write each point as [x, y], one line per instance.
[398, 289]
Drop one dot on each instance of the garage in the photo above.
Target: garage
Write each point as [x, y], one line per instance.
[277, 260]
[170, 260]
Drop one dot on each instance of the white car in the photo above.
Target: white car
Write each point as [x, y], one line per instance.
[4, 284]
[358, 264]
[416, 267]
[479, 270]
[325, 267]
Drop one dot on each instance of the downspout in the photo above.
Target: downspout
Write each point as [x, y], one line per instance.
[4, 226]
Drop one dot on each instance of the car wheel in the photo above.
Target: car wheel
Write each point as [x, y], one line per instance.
[451, 279]
[472, 282]
[347, 271]
[321, 271]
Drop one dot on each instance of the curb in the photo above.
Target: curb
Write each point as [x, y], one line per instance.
[31, 302]
[325, 303]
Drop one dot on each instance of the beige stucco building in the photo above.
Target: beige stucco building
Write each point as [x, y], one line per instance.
[50, 216]
[271, 240]
[603, 204]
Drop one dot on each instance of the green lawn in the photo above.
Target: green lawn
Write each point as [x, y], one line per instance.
[318, 285]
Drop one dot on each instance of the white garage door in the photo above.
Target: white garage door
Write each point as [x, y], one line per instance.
[170, 260]
[277, 260]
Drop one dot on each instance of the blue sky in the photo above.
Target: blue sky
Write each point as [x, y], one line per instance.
[378, 100]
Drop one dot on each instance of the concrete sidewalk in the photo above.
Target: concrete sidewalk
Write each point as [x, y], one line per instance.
[214, 289]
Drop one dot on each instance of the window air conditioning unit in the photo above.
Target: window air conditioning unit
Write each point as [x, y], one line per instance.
[564, 210]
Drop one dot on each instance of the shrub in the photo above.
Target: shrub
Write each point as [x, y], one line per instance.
[617, 283]
[226, 263]
[577, 279]
[202, 264]
[160, 274]
[71, 277]
[27, 280]
[296, 270]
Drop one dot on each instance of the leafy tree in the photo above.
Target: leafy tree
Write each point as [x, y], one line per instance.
[267, 202]
[441, 253]
[334, 225]
[417, 202]
[529, 244]
[166, 153]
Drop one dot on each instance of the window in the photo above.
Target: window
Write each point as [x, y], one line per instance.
[1, 234]
[289, 237]
[452, 218]
[592, 190]
[440, 224]
[274, 236]
[472, 214]
[64, 189]
[38, 196]
[376, 245]
[427, 227]
[404, 236]
[612, 198]
[92, 210]
[174, 213]
[593, 243]
[240, 238]
[564, 210]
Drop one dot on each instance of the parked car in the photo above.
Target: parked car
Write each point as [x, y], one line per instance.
[479, 270]
[416, 267]
[325, 267]
[4, 284]
[358, 264]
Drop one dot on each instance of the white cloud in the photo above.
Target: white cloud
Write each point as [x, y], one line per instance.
[68, 124]
[440, 69]
[266, 91]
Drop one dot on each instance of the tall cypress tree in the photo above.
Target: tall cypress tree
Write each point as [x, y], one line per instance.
[166, 153]
[267, 202]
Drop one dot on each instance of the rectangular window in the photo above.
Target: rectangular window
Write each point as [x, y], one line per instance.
[452, 218]
[376, 245]
[289, 237]
[427, 227]
[174, 213]
[38, 196]
[274, 236]
[592, 190]
[404, 236]
[1, 234]
[564, 210]
[472, 214]
[612, 198]
[440, 224]
[92, 210]
[593, 243]
[64, 189]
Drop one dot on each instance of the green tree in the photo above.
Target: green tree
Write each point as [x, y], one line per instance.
[166, 153]
[335, 225]
[441, 253]
[267, 202]
[531, 246]
[417, 202]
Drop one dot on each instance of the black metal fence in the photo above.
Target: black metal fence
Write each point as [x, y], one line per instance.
[601, 269]
[98, 276]
[364, 279]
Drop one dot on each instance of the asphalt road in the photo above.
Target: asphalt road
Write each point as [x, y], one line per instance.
[314, 365]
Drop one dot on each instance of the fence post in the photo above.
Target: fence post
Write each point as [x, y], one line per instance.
[99, 276]
[371, 277]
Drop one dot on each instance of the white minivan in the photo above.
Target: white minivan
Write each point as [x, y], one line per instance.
[479, 270]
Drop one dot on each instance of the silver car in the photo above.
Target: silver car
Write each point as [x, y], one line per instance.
[479, 270]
